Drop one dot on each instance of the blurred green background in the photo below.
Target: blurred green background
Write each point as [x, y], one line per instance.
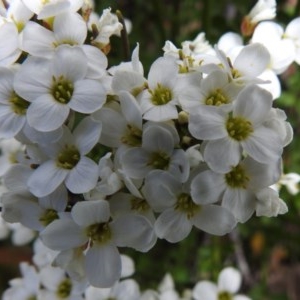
[267, 250]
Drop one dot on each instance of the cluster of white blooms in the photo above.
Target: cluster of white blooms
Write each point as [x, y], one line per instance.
[113, 158]
[44, 280]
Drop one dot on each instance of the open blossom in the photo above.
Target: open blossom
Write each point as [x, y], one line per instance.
[68, 162]
[229, 133]
[229, 282]
[57, 86]
[90, 226]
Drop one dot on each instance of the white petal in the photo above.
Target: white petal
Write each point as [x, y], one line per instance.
[205, 290]
[214, 219]
[70, 27]
[83, 177]
[164, 195]
[263, 145]
[63, 234]
[10, 124]
[222, 154]
[253, 103]
[207, 123]
[229, 280]
[163, 71]
[161, 113]
[45, 114]
[135, 231]
[86, 135]
[46, 178]
[252, 60]
[37, 40]
[173, 226]
[69, 62]
[88, 96]
[158, 139]
[103, 265]
[207, 187]
[130, 109]
[240, 202]
[90, 212]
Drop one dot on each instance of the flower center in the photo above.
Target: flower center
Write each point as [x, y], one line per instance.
[49, 216]
[99, 232]
[224, 296]
[68, 157]
[139, 205]
[159, 160]
[237, 177]
[216, 98]
[161, 95]
[62, 89]
[238, 128]
[64, 289]
[132, 137]
[186, 205]
[18, 104]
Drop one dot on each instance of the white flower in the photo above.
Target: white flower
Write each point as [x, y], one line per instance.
[290, 181]
[269, 204]
[237, 188]
[68, 162]
[9, 51]
[158, 102]
[179, 211]
[26, 287]
[91, 227]
[263, 10]
[107, 25]
[292, 32]
[68, 28]
[282, 50]
[58, 286]
[157, 152]
[126, 128]
[57, 86]
[214, 90]
[229, 133]
[229, 282]
[123, 290]
[249, 63]
[12, 107]
[51, 8]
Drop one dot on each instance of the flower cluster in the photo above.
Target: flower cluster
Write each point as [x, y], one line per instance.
[41, 280]
[115, 158]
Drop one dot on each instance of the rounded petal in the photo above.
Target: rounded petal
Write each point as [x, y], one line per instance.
[172, 225]
[207, 123]
[70, 27]
[45, 114]
[252, 60]
[86, 135]
[207, 187]
[253, 103]
[90, 212]
[63, 234]
[240, 202]
[46, 178]
[135, 231]
[214, 219]
[88, 96]
[83, 177]
[205, 290]
[263, 145]
[103, 265]
[229, 280]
